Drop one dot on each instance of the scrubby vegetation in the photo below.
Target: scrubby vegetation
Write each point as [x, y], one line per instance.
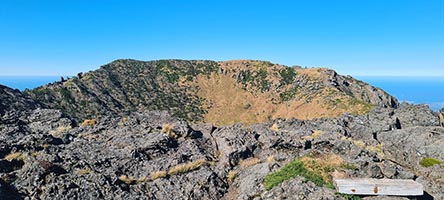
[288, 74]
[428, 162]
[288, 94]
[173, 73]
[349, 196]
[255, 78]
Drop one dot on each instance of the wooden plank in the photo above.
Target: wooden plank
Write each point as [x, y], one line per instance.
[368, 186]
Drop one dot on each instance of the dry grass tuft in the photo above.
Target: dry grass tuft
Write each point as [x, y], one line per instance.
[249, 162]
[359, 143]
[168, 130]
[231, 176]
[126, 179]
[339, 174]
[315, 134]
[142, 179]
[377, 149]
[217, 154]
[89, 122]
[184, 168]
[274, 128]
[82, 135]
[14, 156]
[270, 159]
[373, 148]
[158, 174]
[35, 154]
[84, 171]
[57, 132]
[322, 164]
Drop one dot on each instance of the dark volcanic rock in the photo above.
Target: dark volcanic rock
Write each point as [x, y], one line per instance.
[416, 115]
[409, 146]
[298, 188]
[117, 158]
[361, 90]
[14, 105]
[441, 117]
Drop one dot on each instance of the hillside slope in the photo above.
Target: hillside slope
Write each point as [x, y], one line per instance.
[242, 91]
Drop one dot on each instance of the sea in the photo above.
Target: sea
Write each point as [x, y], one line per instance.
[415, 90]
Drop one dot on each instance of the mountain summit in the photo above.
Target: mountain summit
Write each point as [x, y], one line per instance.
[239, 91]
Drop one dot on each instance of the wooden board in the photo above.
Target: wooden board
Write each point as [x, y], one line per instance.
[368, 186]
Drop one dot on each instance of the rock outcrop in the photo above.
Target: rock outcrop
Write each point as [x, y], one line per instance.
[441, 117]
[14, 104]
[152, 155]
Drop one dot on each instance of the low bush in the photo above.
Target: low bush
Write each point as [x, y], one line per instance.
[428, 162]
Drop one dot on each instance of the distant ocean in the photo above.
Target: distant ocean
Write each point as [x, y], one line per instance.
[418, 90]
[30, 82]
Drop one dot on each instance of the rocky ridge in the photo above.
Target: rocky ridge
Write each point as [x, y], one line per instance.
[243, 91]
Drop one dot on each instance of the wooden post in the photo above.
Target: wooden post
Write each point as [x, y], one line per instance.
[368, 186]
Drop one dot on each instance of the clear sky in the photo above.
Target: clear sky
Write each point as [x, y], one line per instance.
[356, 37]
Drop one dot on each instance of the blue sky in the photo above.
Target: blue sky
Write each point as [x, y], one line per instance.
[373, 37]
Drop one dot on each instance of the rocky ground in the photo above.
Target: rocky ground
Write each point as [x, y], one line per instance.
[151, 155]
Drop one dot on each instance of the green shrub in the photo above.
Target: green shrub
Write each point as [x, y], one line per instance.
[291, 170]
[288, 95]
[66, 95]
[428, 162]
[287, 75]
[349, 196]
